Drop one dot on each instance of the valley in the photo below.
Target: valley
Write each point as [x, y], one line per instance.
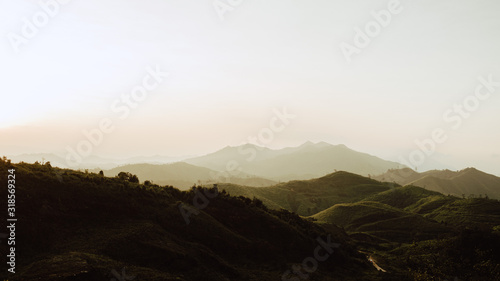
[88, 226]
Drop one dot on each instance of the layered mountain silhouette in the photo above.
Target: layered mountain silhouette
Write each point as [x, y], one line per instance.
[183, 175]
[310, 160]
[254, 166]
[92, 161]
[467, 182]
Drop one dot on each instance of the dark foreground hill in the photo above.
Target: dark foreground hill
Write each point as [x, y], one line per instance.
[84, 226]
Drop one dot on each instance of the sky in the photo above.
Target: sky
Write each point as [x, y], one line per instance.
[379, 76]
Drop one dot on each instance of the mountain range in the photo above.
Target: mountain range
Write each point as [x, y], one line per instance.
[92, 161]
[307, 161]
[183, 175]
[467, 182]
[254, 166]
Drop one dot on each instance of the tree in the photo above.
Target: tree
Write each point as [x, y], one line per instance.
[122, 176]
[126, 176]
[257, 202]
[134, 179]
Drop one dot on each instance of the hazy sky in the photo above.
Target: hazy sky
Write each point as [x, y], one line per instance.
[228, 77]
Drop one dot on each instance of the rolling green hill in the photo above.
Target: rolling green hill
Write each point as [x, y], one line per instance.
[402, 197]
[381, 221]
[474, 212]
[308, 197]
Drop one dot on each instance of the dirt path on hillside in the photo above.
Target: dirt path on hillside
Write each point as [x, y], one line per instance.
[372, 261]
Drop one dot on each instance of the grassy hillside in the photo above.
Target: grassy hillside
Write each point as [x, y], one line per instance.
[309, 197]
[83, 226]
[381, 221]
[474, 212]
[402, 197]
[467, 255]
[431, 203]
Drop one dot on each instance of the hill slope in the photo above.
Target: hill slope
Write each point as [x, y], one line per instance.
[464, 182]
[381, 221]
[84, 226]
[308, 197]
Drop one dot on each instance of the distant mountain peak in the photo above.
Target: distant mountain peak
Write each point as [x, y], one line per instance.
[317, 144]
[307, 161]
[307, 143]
[470, 169]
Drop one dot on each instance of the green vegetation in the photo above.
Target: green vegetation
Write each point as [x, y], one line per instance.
[402, 197]
[474, 212]
[80, 226]
[406, 229]
[309, 197]
[381, 221]
[75, 225]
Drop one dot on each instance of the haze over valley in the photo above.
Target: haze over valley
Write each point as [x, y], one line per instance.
[238, 140]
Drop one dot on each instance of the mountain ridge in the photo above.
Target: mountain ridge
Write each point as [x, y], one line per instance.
[467, 182]
[183, 175]
[309, 160]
